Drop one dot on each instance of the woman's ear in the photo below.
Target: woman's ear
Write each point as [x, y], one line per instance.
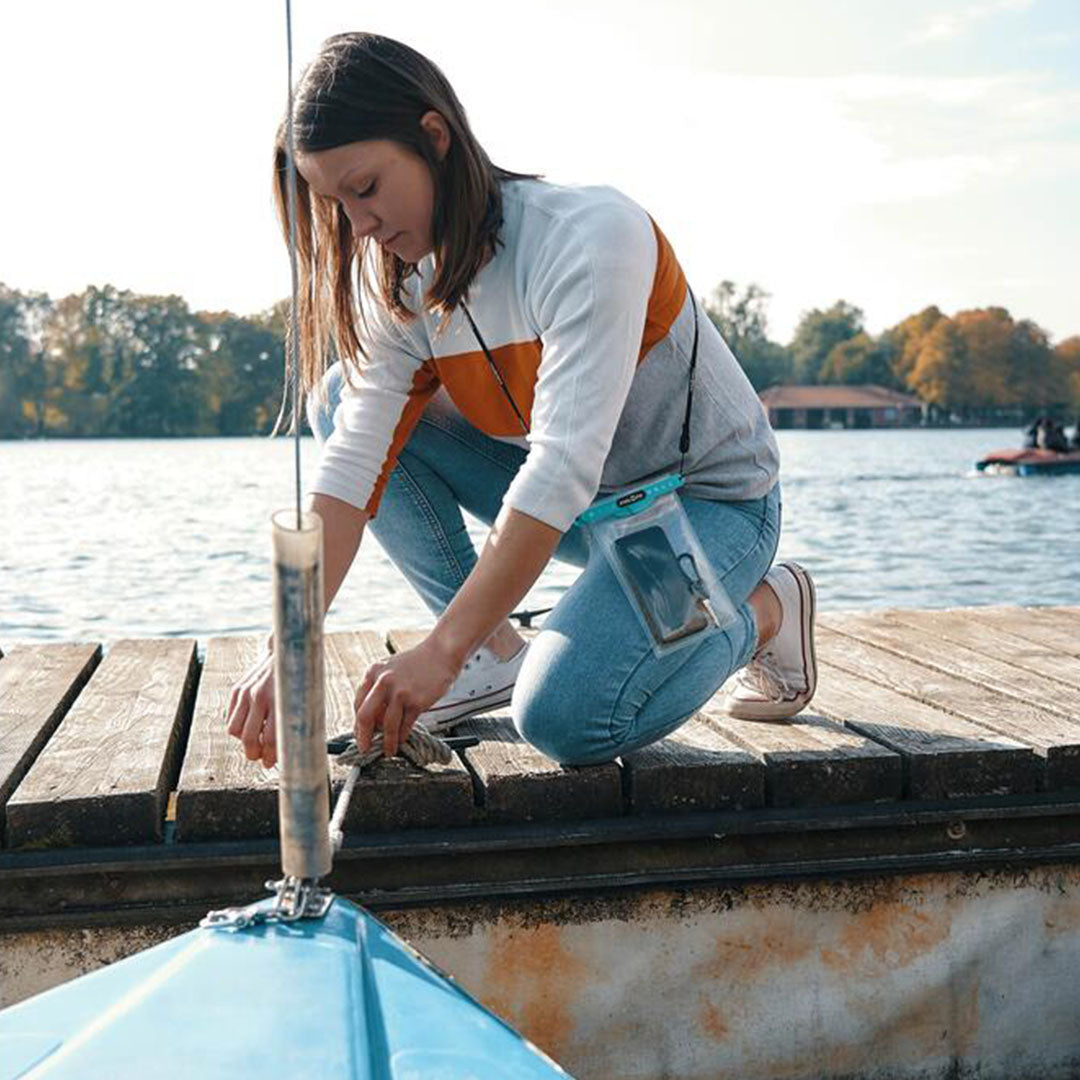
[438, 131]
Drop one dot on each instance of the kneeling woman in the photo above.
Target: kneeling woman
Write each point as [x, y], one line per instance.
[516, 349]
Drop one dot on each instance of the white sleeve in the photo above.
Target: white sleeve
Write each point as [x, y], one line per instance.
[589, 295]
[376, 415]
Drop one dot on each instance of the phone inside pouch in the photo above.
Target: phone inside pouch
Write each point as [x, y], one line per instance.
[665, 595]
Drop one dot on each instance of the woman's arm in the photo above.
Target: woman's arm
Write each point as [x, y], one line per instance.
[397, 690]
[343, 529]
[517, 550]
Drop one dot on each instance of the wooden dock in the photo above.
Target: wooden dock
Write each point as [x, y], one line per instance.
[935, 736]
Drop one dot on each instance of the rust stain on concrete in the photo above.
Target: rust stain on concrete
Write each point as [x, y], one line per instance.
[532, 980]
[781, 944]
[712, 1021]
[885, 937]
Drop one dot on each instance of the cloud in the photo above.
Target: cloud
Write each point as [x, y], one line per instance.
[950, 25]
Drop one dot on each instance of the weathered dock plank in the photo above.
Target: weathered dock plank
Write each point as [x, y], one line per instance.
[996, 642]
[1067, 616]
[1056, 628]
[696, 767]
[519, 783]
[38, 684]
[884, 630]
[814, 761]
[393, 793]
[221, 795]
[1055, 738]
[103, 777]
[944, 755]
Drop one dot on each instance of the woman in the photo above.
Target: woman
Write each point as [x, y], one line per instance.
[514, 348]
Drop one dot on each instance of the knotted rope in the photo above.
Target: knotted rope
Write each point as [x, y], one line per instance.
[422, 748]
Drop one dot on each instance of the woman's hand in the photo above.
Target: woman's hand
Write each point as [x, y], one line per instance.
[250, 716]
[395, 691]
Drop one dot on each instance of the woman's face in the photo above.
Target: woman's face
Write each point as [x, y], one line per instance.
[385, 189]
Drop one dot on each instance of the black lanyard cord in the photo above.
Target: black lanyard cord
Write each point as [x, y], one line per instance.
[684, 438]
[495, 369]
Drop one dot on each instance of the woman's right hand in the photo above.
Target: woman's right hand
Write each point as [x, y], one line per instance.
[250, 716]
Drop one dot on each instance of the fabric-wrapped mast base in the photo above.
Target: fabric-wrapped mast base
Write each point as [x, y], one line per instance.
[299, 695]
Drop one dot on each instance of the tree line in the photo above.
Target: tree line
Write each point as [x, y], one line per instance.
[107, 362]
[972, 364]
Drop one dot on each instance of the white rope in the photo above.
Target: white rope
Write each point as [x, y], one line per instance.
[422, 748]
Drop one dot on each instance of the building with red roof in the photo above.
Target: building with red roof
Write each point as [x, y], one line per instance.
[840, 407]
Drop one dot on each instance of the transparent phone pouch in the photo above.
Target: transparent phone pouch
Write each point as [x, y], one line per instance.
[651, 546]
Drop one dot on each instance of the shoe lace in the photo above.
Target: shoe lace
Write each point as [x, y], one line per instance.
[765, 676]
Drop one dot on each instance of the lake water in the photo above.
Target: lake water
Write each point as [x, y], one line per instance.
[113, 538]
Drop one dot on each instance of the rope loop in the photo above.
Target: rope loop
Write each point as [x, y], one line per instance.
[422, 748]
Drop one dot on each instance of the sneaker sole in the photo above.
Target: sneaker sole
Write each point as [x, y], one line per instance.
[449, 716]
[785, 710]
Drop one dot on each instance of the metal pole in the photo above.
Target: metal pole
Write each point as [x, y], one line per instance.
[299, 696]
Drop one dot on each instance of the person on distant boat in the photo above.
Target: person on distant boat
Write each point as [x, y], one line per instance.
[1075, 443]
[1032, 432]
[1052, 436]
[513, 348]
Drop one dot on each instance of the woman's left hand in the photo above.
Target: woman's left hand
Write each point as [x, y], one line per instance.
[395, 691]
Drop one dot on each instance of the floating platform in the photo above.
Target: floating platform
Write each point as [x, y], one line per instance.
[126, 752]
[909, 847]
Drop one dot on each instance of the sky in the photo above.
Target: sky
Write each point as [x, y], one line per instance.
[893, 154]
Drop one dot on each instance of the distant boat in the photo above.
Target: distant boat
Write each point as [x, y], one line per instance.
[1028, 462]
[339, 996]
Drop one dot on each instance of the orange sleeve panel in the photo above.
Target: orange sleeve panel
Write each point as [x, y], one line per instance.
[425, 383]
[475, 391]
[667, 297]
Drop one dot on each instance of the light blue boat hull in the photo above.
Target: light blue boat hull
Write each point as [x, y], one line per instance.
[339, 996]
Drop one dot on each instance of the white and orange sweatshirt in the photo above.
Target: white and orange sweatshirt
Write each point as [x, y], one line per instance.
[587, 315]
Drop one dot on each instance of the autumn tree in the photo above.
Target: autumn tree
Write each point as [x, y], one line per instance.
[987, 336]
[906, 339]
[942, 375]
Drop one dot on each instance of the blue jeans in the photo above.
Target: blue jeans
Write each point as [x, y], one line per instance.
[591, 687]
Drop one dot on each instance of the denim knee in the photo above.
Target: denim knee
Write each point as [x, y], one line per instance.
[570, 728]
[542, 720]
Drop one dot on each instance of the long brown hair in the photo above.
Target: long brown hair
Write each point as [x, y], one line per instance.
[364, 86]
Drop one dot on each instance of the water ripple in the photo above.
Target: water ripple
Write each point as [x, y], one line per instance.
[881, 519]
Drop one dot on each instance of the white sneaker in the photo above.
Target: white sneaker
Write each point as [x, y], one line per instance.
[485, 683]
[781, 679]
